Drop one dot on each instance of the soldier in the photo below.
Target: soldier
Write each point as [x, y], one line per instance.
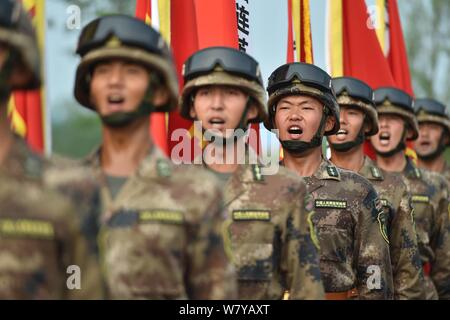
[354, 253]
[358, 120]
[429, 194]
[160, 223]
[267, 221]
[434, 135]
[41, 243]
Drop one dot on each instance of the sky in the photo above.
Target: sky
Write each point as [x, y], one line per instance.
[268, 29]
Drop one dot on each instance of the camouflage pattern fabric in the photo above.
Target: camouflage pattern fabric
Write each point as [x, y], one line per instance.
[396, 201]
[160, 238]
[352, 231]
[270, 235]
[429, 197]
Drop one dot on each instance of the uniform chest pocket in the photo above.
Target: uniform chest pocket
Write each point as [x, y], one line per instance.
[335, 244]
[253, 237]
[145, 256]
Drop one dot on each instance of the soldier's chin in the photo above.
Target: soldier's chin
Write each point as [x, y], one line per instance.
[384, 148]
[425, 153]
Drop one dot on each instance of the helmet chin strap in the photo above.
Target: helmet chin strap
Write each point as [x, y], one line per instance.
[242, 125]
[5, 74]
[436, 153]
[297, 148]
[122, 119]
[400, 147]
[347, 146]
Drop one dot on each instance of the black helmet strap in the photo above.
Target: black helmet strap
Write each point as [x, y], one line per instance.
[436, 153]
[347, 146]
[400, 147]
[122, 119]
[5, 74]
[240, 130]
[297, 148]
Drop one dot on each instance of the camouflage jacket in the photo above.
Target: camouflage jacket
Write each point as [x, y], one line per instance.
[430, 201]
[395, 198]
[40, 237]
[352, 231]
[446, 172]
[160, 237]
[269, 230]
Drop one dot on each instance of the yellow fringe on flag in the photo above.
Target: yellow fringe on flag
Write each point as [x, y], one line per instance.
[335, 32]
[296, 23]
[381, 26]
[307, 32]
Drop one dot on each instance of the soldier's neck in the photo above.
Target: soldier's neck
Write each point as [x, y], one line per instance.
[6, 135]
[123, 149]
[306, 164]
[352, 160]
[396, 163]
[226, 158]
[436, 165]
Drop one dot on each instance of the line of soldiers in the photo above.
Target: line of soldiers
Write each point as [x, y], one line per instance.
[140, 227]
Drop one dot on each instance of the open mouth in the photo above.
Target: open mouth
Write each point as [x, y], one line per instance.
[115, 99]
[217, 122]
[425, 143]
[342, 132]
[385, 137]
[295, 131]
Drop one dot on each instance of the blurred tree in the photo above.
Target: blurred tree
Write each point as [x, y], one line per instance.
[77, 133]
[427, 36]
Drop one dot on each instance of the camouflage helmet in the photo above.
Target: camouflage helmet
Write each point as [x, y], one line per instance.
[124, 37]
[223, 66]
[17, 32]
[389, 100]
[300, 78]
[430, 110]
[356, 93]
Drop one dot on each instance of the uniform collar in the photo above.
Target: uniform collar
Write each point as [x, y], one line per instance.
[370, 171]
[327, 171]
[411, 170]
[154, 165]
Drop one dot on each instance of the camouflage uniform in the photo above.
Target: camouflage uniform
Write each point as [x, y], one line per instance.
[39, 233]
[160, 236]
[395, 199]
[75, 181]
[352, 233]
[394, 195]
[446, 172]
[269, 230]
[430, 201]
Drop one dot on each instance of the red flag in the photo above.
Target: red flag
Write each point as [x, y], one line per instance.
[26, 110]
[398, 59]
[216, 23]
[362, 56]
[397, 56]
[158, 128]
[184, 42]
[197, 24]
[299, 40]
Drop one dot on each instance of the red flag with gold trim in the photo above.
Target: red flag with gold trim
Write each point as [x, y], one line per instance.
[299, 44]
[158, 121]
[398, 58]
[299, 39]
[189, 25]
[26, 109]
